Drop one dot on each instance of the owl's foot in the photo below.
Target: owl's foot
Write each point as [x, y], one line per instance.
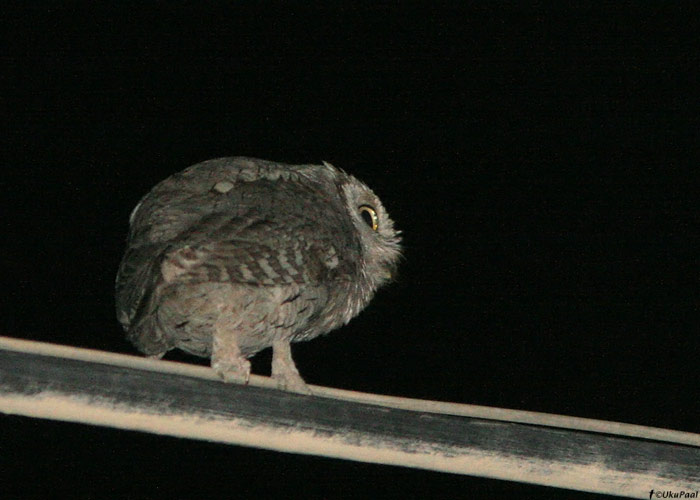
[228, 362]
[284, 371]
[290, 381]
[236, 371]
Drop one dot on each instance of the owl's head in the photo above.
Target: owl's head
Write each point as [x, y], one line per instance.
[379, 240]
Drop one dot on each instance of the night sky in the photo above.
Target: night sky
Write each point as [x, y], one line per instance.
[540, 165]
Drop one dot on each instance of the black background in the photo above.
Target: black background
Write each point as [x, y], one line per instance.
[540, 164]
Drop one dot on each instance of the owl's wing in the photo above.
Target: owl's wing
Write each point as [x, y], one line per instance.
[231, 186]
[138, 276]
[262, 251]
[261, 234]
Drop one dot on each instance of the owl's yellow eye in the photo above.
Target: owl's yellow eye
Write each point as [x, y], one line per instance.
[369, 215]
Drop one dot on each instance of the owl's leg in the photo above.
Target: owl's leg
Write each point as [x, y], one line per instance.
[226, 358]
[284, 371]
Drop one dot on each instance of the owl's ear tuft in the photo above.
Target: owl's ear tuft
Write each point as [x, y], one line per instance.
[335, 170]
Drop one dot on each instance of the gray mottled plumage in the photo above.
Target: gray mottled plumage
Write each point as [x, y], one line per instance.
[234, 255]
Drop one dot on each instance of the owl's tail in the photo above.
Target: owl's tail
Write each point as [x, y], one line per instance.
[146, 332]
[137, 301]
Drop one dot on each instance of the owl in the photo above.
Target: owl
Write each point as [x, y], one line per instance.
[234, 255]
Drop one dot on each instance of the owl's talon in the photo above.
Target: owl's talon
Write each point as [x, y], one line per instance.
[237, 371]
[284, 371]
[291, 382]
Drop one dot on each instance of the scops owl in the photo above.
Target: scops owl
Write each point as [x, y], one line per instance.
[234, 255]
